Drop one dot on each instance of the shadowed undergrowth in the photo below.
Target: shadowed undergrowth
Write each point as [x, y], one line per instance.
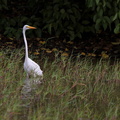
[72, 90]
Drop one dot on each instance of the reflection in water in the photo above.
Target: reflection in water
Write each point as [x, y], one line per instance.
[28, 90]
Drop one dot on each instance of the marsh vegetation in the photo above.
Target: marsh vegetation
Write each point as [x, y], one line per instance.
[73, 89]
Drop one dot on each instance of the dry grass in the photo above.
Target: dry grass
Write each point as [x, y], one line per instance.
[72, 90]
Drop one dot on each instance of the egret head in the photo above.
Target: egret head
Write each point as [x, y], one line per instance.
[26, 27]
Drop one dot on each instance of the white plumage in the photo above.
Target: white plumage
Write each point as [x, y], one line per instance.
[31, 68]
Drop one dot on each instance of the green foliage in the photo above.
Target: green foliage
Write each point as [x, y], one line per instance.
[13, 27]
[3, 4]
[62, 18]
[106, 14]
[59, 17]
[13, 20]
[117, 29]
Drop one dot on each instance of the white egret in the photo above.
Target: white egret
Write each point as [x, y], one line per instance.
[31, 68]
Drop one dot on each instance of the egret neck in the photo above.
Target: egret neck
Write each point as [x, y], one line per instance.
[26, 46]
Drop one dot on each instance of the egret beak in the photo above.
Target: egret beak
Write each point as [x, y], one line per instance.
[30, 27]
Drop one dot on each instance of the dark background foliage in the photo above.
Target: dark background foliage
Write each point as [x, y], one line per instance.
[66, 18]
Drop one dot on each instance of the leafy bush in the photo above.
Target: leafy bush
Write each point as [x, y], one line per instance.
[67, 18]
[106, 14]
[15, 16]
[3, 4]
[62, 18]
[59, 17]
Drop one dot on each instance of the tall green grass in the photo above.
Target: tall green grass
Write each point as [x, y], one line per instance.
[77, 89]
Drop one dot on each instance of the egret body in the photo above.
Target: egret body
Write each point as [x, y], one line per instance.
[31, 68]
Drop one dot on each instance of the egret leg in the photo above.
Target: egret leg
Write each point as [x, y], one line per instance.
[27, 78]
